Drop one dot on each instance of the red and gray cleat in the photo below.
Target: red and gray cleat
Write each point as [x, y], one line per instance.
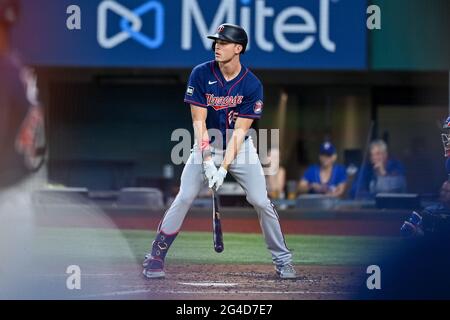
[153, 268]
[286, 271]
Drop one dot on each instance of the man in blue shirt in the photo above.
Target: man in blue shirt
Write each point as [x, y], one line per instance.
[327, 178]
[384, 174]
[225, 97]
[418, 268]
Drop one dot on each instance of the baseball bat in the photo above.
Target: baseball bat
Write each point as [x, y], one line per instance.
[217, 226]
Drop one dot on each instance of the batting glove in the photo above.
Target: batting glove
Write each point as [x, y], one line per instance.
[217, 179]
[209, 168]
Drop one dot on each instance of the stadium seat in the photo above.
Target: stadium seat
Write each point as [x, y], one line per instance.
[151, 198]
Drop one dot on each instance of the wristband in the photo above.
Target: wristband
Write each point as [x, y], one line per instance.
[204, 145]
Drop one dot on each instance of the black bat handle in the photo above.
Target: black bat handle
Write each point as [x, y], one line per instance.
[217, 226]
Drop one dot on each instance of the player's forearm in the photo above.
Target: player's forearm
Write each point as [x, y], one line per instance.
[235, 143]
[202, 138]
[233, 147]
[201, 135]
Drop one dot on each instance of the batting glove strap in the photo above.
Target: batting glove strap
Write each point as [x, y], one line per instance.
[222, 172]
[209, 168]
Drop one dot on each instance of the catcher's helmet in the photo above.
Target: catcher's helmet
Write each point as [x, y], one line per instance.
[231, 33]
[446, 137]
[9, 12]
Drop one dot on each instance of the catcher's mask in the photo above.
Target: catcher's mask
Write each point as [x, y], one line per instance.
[446, 137]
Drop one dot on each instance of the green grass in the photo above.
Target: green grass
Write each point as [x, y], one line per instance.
[197, 248]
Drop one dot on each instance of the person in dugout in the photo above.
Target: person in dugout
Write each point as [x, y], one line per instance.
[434, 219]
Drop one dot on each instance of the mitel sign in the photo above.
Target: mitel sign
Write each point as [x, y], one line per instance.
[262, 15]
[303, 34]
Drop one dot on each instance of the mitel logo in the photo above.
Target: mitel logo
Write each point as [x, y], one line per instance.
[130, 25]
[282, 22]
[267, 26]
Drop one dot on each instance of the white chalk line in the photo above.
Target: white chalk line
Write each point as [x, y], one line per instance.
[224, 284]
[84, 275]
[209, 292]
[209, 284]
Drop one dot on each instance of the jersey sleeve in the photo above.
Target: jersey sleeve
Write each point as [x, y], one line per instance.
[195, 91]
[252, 105]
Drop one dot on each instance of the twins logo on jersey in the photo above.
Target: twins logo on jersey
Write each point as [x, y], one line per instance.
[258, 107]
[223, 102]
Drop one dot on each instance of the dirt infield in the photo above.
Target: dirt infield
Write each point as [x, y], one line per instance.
[228, 282]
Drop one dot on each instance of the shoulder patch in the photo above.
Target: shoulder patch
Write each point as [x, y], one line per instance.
[258, 107]
[190, 91]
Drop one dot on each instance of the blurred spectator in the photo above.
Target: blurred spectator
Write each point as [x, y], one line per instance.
[383, 174]
[327, 178]
[276, 181]
[21, 121]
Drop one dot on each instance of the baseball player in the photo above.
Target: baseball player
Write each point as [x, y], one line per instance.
[418, 268]
[16, 181]
[223, 95]
[14, 104]
[22, 136]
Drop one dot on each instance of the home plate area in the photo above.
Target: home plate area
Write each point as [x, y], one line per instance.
[233, 282]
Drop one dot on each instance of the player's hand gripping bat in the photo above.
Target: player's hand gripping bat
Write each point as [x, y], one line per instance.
[217, 227]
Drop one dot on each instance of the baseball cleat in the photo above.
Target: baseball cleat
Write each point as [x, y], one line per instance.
[146, 259]
[153, 268]
[286, 272]
[153, 274]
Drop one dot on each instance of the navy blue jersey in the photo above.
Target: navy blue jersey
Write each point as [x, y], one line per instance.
[226, 101]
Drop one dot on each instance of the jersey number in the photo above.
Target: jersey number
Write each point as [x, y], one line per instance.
[232, 116]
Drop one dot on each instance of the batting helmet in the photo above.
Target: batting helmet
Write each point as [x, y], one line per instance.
[9, 12]
[231, 33]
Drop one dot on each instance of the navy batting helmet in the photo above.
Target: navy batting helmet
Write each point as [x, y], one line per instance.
[9, 12]
[231, 33]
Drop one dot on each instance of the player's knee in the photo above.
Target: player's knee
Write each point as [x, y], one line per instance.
[258, 201]
[186, 197]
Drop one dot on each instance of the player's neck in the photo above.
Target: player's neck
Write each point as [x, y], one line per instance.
[230, 69]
